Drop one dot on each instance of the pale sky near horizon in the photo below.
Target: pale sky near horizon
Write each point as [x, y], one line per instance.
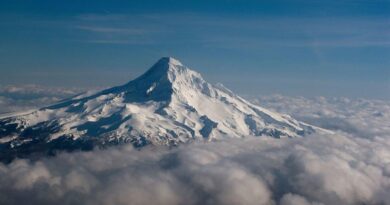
[309, 48]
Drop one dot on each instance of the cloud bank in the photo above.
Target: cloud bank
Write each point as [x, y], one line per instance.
[360, 117]
[327, 169]
[20, 98]
[351, 166]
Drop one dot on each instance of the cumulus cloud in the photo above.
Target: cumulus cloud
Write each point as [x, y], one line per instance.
[319, 169]
[361, 117]
[351, 166]
[25, 97]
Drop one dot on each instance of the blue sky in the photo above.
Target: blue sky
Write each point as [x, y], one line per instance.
[309, 48]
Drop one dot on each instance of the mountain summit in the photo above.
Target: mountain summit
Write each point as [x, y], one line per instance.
[167, 105]
[164, 79]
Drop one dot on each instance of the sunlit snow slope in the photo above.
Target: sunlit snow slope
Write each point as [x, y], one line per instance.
[168, 105]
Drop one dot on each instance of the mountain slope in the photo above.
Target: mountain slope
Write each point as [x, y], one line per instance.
[167, 105]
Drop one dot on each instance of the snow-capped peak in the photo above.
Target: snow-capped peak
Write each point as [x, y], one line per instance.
[167, 105]
[171, 61]
[171, 68]
[167, 77]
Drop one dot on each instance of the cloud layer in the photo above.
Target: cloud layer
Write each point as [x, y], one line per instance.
[25, 97]
[351, 166]
[319, 169]
[360, 117]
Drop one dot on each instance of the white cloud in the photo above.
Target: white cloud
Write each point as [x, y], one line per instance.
[25, 97]
[293, 199]
[327, 169]
[349, 167]
[127, 31]
[361, 117]
[31, 89]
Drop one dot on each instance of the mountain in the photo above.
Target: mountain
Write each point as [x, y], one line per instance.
[168, 105]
